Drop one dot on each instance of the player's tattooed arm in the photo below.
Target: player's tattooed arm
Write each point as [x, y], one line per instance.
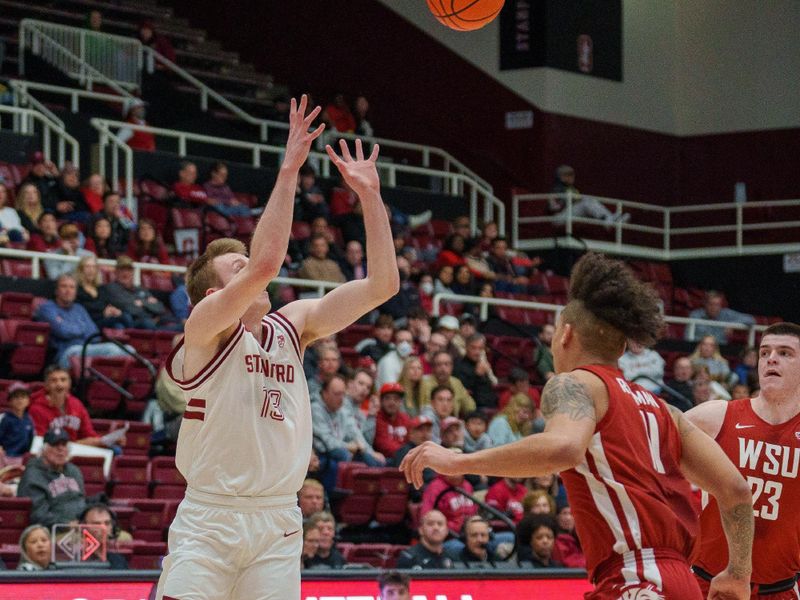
[738, 523]
[565, 395]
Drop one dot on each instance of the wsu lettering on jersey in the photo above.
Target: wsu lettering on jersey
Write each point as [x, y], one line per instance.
[255, 363]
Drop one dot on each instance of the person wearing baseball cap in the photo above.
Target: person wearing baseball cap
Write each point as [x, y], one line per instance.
[54, 484]
[420, 430]
[391, 423]
[452, 433]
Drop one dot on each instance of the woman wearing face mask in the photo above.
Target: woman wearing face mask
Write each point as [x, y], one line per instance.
[391, 365]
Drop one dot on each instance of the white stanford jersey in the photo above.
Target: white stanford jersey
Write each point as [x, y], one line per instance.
[247, 426]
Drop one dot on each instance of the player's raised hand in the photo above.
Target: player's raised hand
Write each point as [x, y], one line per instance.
[426, 455]
[360, 173]
[299, 142]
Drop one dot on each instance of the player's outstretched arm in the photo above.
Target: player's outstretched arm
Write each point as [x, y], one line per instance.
[704, 463]
[222, 309]
[708, 416]
[569, 407]
[345, 304]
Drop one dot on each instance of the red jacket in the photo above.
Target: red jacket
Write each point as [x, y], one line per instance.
[74, 419]
[569, 552]
[455, 507]
[390, 432]
[507, 500]
[193, 193]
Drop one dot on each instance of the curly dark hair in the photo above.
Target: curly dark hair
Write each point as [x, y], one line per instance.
[529, 525]
[608, 306]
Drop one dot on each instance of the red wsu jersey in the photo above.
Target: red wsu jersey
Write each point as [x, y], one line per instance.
[768, 456]
[628, 495]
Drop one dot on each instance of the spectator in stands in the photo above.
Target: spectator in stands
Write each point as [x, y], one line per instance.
[93, 190]
[381, 341]
[476, 534]
[475, 372]
[520, 384]
[310, 543]
[455, 506]
[514, 423]
[419, 327]
[567, 543]
[443, 280]
[318, 266]
[701, 389]
[642, 365]
[336, 435]
[429, 553]
[29, 207]
[145, 310]
[70, 325]
[16, 425]
[186, 188]
[437, 342]
[475, 436]
[489, 233]
[320, 226]
[405, 299]
[582, 206]
[449, 326]
[506, 495]
[35, 548]
[747, 369]
[539, 502]
[352, 224]
[92, 296]
[54, 485]
[102, 519]
[361, 402]
[44, 175]
[410, 379]
[452, 433]
[740, 390]
[443, 376]
[120, 224]
[179, 300]
[391, 364]
[707, 354]
[543, 356]
[327, 553]
[45, 238]
[363, 126]
[391, 423]
[440, 408]
[54, 408]
[328, 363]
[681, 383]
[354, 265]
[311, 498]
[551, 484]
[71, 205]
[425, 287]
[463, 282]
[467, 326]
[338, 114]
[70, 238]
[452, 253]
[309, 201]
[705, 388]
[10, 223]
[146, 244]
[506, 276]
[713, 310]
[137, 139]
[99, 239]
[220, 194]
[148, 36]
[536, 536]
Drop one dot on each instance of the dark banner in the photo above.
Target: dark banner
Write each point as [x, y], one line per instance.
[583, 36]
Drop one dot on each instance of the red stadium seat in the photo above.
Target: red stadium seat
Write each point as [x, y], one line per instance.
[165, 479]
[14, 517]
[94, 480]
[143, 341]
[129, 476]
[101, 397]
[359, 507]
[149, 521]
[377, 555]
[155, 280]
[9, 554]
[147, 555]
[300, 230]
[17, 268]
[16, 305]
[353, 335]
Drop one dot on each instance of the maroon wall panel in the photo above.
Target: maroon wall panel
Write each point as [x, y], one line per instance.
[421, 91]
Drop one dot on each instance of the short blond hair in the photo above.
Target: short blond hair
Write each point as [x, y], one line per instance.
[201, 275]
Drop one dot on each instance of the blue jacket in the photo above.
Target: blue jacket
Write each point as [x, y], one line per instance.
[16, 433]
[68, 326]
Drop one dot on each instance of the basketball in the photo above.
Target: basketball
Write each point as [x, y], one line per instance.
[465, 15]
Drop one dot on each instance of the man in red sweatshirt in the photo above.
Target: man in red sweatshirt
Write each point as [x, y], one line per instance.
[391, 424]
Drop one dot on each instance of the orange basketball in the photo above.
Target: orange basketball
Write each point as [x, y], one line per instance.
[465, 15]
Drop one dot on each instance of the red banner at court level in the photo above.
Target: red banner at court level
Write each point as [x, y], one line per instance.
[460, 589]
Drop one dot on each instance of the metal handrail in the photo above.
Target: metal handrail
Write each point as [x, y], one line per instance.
[491, 205]
[23, 87]
[666, 230]
[485, 303]
[23, 123]
[115, 58]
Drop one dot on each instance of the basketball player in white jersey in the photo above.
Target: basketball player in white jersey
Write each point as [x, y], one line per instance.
[245, 440]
